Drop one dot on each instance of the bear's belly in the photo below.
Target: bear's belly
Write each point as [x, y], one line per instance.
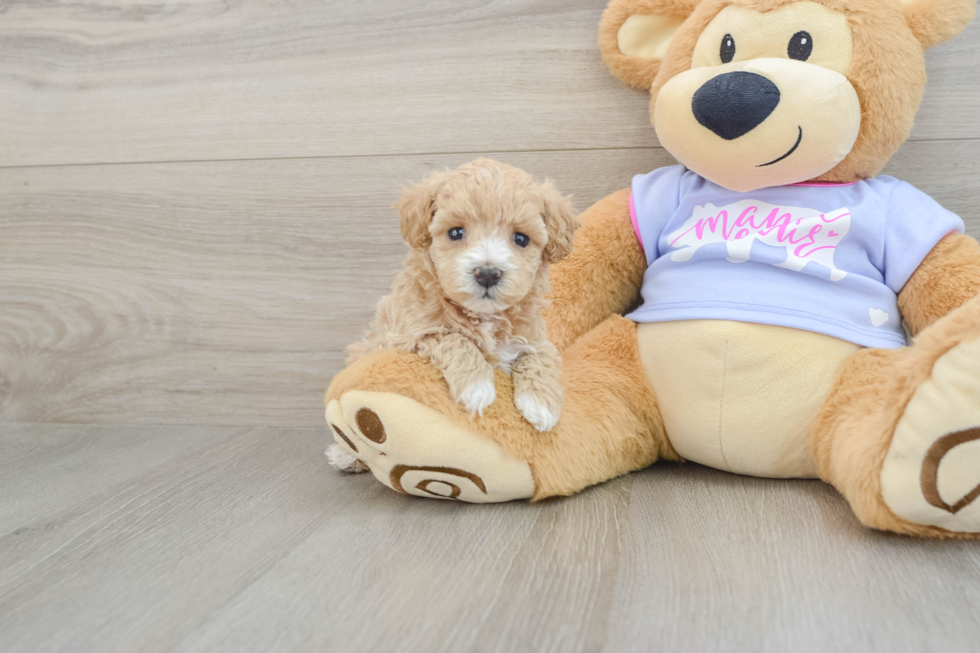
[740, 396]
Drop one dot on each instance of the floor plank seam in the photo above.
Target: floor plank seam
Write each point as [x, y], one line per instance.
[93, 164]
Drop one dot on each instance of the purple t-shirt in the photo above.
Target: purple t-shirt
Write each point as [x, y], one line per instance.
[829, 258]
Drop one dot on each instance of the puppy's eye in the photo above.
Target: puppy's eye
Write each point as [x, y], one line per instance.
[521, 239]
[727, 48]
[456, 233]
[800, 46]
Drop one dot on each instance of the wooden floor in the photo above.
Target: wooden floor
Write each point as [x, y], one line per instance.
[241, 539]
[195, 218]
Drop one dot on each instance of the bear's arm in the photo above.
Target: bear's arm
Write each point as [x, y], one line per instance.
[603, 274]
[947, 278]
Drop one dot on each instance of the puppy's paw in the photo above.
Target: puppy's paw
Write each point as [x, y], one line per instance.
[477, 396]
[344, 461]
[536, 412]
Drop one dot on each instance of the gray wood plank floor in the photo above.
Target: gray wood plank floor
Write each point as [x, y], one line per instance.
[242, 539]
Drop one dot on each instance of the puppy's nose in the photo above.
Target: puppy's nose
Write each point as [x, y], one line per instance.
[487, 276]
[733, 104]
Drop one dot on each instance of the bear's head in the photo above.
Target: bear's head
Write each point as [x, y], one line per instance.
[757, 93]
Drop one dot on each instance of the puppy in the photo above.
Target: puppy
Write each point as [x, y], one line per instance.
[470, 295]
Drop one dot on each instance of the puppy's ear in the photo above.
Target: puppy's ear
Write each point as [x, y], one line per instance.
[416, 207]
[935, 21]
[634, 36]
[560, 220]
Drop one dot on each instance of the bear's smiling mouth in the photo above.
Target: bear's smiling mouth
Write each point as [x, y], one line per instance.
[799, 139]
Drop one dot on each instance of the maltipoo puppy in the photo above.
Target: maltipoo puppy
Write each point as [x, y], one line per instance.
[470, 295]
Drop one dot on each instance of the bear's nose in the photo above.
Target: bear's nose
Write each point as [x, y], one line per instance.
[734, 103]
[487, 276]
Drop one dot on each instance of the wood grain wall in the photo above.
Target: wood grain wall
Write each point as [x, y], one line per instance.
[195, 197]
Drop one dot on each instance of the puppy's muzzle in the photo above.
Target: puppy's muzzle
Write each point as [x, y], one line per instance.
[487, 276]
[733, 104]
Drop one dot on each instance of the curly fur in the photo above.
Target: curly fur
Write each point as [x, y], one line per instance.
[439, 311]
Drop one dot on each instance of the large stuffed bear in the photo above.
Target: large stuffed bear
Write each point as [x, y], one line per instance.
[766, 283]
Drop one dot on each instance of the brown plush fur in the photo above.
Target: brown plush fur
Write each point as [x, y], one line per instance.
[587, 447]
[636, 72]
[852, 434]
[602, 277]
[935, 21]
[947, 278]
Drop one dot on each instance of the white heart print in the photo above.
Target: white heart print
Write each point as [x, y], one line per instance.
[878, 316]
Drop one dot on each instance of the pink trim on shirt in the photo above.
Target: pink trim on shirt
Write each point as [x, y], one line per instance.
[824, 183]
[636, 227]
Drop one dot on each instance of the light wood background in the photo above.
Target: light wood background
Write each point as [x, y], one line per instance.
[195, 218]
[195, 197]
[213, 539]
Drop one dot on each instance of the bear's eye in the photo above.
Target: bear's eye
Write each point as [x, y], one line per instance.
[727, 48]
[456, 233]
[521, 239]
[800, 46]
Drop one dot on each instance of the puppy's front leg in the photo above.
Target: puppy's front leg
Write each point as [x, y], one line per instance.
[469, 375]
[537, 386]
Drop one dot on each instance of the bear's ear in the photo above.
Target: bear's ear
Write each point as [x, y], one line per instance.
[634, 35]
[935, 21]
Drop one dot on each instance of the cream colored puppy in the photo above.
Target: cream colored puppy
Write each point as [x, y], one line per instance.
[470, 295]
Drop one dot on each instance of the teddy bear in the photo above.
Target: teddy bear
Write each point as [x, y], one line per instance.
[771, 306]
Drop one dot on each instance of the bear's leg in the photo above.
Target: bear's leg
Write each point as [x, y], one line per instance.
[393, 411]
[899, 435]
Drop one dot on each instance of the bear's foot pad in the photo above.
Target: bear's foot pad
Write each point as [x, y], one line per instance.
[415, 450]
[931, 474]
